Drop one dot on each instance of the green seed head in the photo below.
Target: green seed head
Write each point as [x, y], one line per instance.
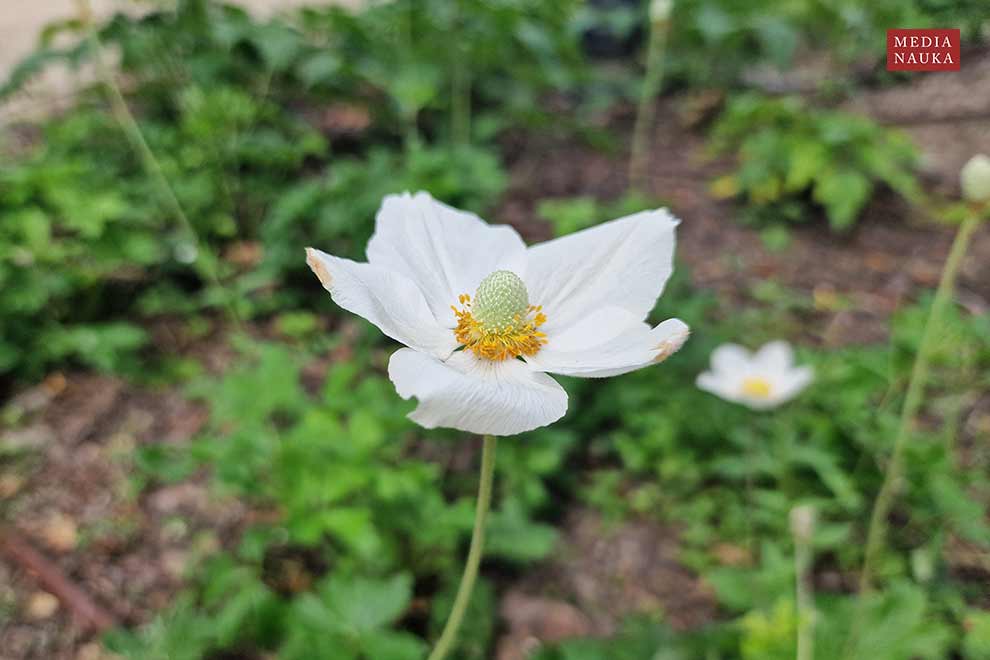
[500, 301]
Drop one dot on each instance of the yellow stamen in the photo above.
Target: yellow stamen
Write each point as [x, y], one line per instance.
[756, 387]
[520, 337]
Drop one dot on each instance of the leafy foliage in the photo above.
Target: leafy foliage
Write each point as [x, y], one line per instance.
[91, 242]
[790, 154]
[357, 511]
[286, 132]
[896, 621]
[359, 518]
[730, 477]
[729, 43]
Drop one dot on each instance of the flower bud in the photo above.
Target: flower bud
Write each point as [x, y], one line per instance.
[975, 178]
[660, 10]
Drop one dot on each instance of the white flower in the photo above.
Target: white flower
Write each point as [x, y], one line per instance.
[975, 179]
[574, 305]
[760, 380]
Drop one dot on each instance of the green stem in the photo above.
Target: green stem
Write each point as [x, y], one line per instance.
[646, 110]
[410, 138]
[449, 634]
[752, 544]
[128, 124]
[912, 401]
[805, 595]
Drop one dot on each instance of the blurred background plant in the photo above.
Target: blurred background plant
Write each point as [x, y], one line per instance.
[790, 154]
[277, 133]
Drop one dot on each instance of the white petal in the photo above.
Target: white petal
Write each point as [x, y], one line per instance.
[476, 395]
[774, 357]
[623, 263]
[446, 252]
[792, 383]
[718, 383]
[609, 342]
[389, 300]
[728, 385]
[731, 359]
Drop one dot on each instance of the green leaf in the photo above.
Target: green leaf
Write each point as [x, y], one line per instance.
[511, 535]
[843, 193]
[320, 68]
[279, 45]
[896, 623]
[363, 605]
[976, 642]
[387, 645]
[808, 158]
[829, 471]
[413, 86]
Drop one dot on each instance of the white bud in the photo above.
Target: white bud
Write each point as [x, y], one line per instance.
[975, 178]
[660, 10]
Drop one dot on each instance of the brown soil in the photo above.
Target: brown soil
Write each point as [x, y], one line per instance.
[600, 576]
[72, 500]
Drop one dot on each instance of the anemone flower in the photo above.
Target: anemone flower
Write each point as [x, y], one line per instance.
[761, 380]
[486, 319]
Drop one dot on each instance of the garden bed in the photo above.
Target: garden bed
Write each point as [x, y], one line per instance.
[129, 551]
[163, 453]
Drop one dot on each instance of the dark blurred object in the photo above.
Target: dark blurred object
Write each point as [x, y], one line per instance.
[616, 29]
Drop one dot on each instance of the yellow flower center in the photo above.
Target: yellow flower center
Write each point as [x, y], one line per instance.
[499, 323]
[756, 387]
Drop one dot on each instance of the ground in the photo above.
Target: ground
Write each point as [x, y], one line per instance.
[78, 509]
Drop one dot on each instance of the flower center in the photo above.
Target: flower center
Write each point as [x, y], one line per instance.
[499, 323]
[756, 387]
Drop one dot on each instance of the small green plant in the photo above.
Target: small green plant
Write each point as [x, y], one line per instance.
[718, 42]
[731, 476]
[355, 523]
[93, 243]
[900, 621]
[789, 155]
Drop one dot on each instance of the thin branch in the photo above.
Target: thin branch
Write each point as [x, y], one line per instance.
[83, 608]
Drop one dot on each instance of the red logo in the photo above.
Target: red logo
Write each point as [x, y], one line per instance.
[922, 50]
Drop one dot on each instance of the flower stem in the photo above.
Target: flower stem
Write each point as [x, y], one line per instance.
[912, 401]
[647, 106]
[449, 634]
[802, 528]
[132, 131]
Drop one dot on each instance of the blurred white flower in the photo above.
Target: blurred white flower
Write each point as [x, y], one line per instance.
[761, 380]
[975, 179]
[574, 305]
